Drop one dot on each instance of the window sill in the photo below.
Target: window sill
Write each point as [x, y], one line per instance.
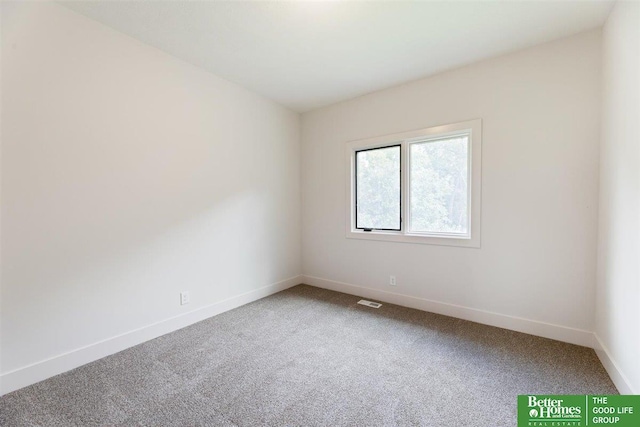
[394, 236]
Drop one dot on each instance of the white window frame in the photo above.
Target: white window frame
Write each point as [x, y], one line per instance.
[472, 128]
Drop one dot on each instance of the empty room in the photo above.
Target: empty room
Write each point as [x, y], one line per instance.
[320, 213]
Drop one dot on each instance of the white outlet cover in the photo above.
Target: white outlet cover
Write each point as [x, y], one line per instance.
[184, 298]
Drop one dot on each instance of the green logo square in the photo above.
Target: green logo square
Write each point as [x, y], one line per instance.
[578, 411]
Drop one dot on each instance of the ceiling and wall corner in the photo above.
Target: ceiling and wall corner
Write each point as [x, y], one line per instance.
[307, 55]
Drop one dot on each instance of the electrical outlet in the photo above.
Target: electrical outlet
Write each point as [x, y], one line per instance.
[392, 280]
[184, 298]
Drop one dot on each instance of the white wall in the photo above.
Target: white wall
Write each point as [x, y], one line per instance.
[1, 62]
[127, 177]
[618, 296]
[541, 112]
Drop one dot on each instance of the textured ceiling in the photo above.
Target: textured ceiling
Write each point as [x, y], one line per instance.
[305, 55]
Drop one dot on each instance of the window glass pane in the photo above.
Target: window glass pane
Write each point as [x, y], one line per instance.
[378, 188]
[439, 185]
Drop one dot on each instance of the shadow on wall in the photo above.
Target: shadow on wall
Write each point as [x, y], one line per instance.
[100, 279]
[127, 177]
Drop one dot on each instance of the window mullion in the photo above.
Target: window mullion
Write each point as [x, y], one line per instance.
[404, 186]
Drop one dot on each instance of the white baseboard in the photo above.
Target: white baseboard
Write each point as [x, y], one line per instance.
[44, 369]
[620, 380]
[533, 327]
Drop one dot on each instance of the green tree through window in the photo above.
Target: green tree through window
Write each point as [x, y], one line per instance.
[378, 188]
[439, 178]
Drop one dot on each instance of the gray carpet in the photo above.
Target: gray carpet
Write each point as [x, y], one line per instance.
[307, 357]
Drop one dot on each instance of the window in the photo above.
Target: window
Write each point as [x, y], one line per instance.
[378, 188]
[435, 199]
[439, 185]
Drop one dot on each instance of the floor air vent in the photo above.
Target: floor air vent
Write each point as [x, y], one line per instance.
[370, 303]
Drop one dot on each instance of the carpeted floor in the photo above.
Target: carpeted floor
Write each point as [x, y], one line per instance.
[307, 357]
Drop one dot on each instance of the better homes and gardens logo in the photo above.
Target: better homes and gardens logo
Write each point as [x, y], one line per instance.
[578, 411]
[554, 410]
